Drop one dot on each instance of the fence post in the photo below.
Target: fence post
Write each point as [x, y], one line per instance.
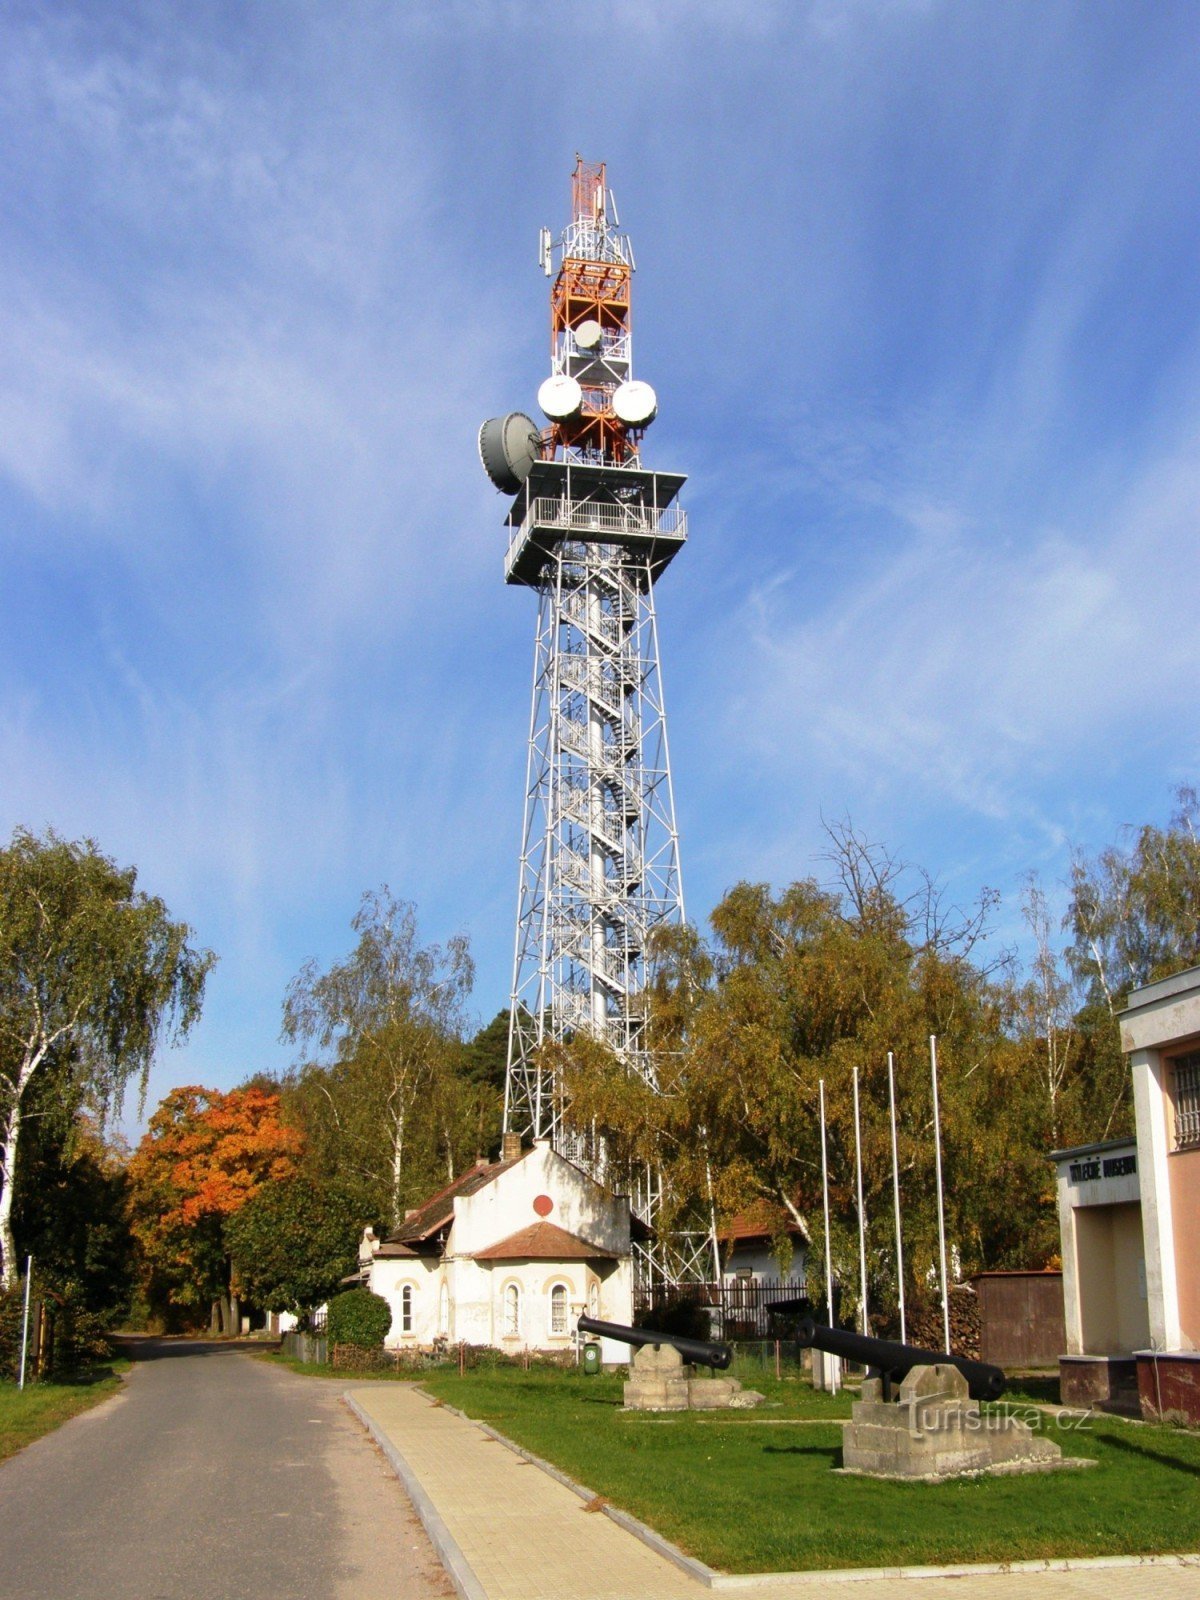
[25, 1320]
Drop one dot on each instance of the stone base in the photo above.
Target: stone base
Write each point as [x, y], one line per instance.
[1109, 1383]
[1169, 1386]
[934, 1431]
[659, 1380]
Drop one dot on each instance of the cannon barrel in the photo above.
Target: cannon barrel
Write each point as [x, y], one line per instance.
[893, 1361]
[698, 1351]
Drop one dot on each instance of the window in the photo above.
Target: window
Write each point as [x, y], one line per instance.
[512, 1310]
[593, 1299]
[406, 1303]
[1185, 1074]
[558, 1308]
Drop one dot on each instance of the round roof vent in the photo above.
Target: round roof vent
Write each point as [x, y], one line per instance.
[635, 403]
[508, 447]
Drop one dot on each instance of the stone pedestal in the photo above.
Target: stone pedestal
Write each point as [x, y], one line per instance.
[660, 1380]
[934, 1430]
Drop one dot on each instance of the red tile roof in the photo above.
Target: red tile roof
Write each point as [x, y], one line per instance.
[760, 1220]
[543, 1241]
[438, 1211]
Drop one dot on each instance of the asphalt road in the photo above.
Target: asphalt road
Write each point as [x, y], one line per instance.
[211, 1476]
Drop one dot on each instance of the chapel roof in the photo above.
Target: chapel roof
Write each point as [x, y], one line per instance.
[438, 1211]
[544, 1241]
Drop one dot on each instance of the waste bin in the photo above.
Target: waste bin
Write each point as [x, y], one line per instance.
[591, 1359]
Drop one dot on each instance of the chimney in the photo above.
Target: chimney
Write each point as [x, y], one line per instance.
[511, 1148]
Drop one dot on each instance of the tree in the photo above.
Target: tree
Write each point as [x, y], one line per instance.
[93, 976]
[809, 985]
[203, 1157]
[1134, 917]
[1135, 913]
[71, 1211]
[388, 1104]
[294, 1241]
[484, 1067]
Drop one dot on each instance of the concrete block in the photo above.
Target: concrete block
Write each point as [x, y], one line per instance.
[934, 1430]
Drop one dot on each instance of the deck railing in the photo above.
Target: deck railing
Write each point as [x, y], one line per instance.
[591, 517]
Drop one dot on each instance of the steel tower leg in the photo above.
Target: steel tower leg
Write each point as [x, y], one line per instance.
[600, 852]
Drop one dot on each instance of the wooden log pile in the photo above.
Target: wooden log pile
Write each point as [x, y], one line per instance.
[925, 1325]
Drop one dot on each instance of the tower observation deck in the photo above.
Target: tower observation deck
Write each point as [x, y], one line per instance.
[591, 530]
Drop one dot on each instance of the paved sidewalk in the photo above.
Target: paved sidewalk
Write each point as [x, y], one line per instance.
[509, 1530]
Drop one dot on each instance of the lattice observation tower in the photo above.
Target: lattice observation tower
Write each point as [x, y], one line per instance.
[592, 528]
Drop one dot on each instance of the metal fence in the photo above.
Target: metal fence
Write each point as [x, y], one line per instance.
[769, 1358]
[736, 1310]
[306, 1347]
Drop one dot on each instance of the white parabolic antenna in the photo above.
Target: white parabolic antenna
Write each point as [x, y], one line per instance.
[560, 398]
[635, 403]
[588, 334]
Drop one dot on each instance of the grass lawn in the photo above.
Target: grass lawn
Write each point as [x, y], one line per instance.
[753, 1491]
[322, 1369]
[26, 1414]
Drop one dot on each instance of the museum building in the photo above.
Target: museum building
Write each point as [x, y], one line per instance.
[1129, 1215]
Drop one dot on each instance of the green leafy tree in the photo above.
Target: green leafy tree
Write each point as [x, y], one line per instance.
[1134, 917]
[1135, 912]
[387, 1104]
[806, 986]
[294, 1241]
[71, 1211]
[93, 976]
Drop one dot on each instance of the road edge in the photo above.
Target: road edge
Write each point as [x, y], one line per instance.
[449, 1552]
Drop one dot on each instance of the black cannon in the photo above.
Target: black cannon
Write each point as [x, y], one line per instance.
[892, 1361]
[696, 1351]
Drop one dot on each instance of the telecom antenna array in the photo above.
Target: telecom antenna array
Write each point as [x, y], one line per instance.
[592, 529]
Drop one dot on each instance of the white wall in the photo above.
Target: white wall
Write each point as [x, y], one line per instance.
[475, 1313]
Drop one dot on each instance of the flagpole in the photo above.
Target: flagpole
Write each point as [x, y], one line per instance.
[937, 1147]
[833, 1363]
[862, 1226]
[896, 1197]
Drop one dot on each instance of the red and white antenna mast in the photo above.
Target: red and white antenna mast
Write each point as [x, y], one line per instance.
[597, 410]
[591, 531]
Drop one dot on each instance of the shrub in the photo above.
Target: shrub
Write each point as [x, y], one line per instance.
[76, 1339]
[358, 1317]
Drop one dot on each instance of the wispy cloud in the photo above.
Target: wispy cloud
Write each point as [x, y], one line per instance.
[911, 294]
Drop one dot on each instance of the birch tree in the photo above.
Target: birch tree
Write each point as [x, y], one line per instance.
[388, 1023]
[94, 976]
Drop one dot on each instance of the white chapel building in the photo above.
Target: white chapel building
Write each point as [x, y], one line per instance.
[508, 1256]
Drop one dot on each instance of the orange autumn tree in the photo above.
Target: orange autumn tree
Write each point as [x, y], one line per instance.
[203, 1156]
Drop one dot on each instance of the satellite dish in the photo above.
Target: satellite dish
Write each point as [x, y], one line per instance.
[508, 447]
[588, 334]
[635, 403]
[560, 398]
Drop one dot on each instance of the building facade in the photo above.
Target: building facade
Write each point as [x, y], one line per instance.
[1129, 1215]
[507, 1256]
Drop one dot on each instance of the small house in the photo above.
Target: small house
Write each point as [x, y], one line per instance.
[507, 1256]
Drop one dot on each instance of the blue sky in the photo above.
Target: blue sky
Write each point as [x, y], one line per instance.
[917, 289]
